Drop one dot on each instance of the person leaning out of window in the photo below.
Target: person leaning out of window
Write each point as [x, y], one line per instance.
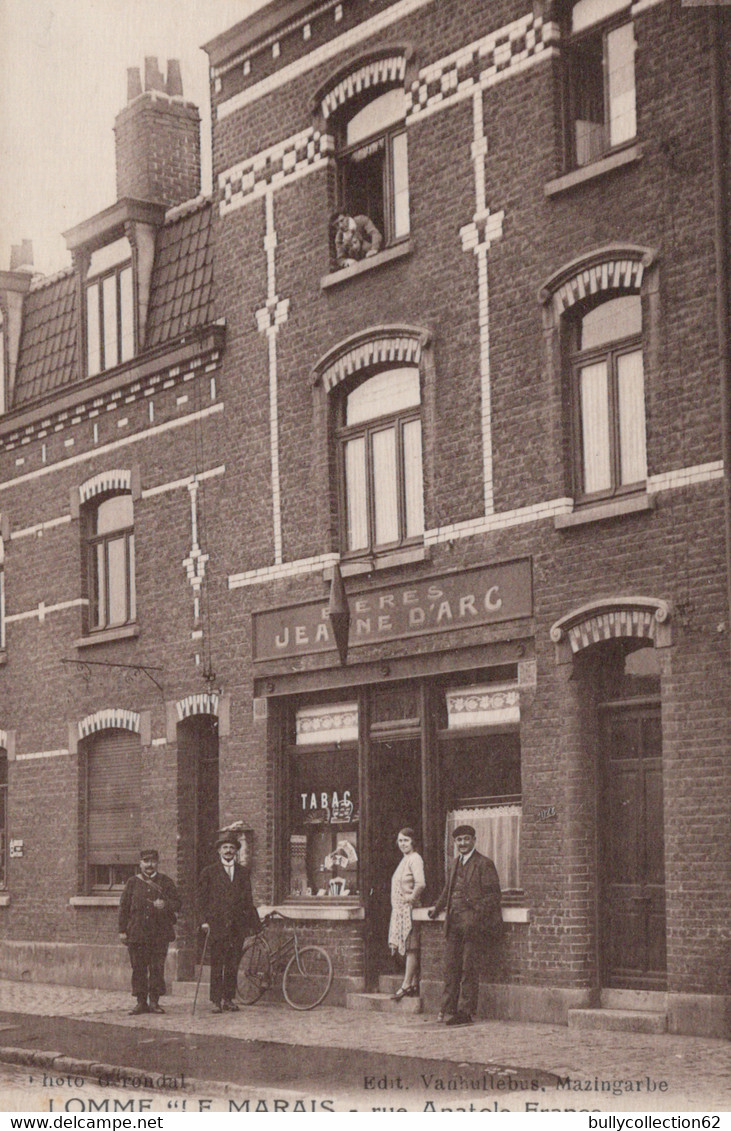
[355, 237]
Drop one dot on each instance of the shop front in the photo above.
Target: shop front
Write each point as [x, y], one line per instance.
[419, 728]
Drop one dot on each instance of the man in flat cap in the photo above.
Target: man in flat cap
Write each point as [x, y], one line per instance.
[147, 913]
[228, 913]
[471, 898]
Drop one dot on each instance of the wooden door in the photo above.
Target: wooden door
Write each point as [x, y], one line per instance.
[632, 861]
[395, 804]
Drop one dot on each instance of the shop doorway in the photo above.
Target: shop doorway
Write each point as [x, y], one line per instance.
[632, 863]
[197, 739]
[395, 804]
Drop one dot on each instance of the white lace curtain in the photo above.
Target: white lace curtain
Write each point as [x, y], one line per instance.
[498, 836]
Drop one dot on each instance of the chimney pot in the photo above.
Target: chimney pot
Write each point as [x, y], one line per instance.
[21, 255]
[153, 76]
[134, 83]
[175, 79]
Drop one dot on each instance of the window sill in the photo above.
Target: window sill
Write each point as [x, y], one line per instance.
[4, 898]
[315, 910]
[398, 251]
[356, 566]
[108, 635]
[510, 915]
[95, 900]
[597, 169]
[600, 512]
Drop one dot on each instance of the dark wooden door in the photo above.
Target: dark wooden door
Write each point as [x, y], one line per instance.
[395, 804]
[633, 860]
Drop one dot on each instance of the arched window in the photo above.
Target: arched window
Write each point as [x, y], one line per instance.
[608, 395]
[379, 433]
[110, 560]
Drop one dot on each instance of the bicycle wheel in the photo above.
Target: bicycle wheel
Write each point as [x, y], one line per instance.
[255, 971]
[307, 977]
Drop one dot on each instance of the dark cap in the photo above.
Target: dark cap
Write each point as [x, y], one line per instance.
[464, 830]
[149, 854]
[228, 838]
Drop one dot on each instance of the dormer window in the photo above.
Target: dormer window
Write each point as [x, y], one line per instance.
[110, 331]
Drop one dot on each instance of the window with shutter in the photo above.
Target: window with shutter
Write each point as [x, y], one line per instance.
[113, 808]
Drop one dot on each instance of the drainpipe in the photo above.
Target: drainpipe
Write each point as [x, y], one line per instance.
[715, 21]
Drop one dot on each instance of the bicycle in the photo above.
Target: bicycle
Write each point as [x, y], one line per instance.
[307, 975]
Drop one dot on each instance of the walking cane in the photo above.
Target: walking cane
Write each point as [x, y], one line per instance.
[200, 969]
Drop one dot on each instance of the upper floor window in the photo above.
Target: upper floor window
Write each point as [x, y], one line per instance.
[372, 165]
[609, 396]
[109, 308]
[601, 74]
[110, 551]
[380, 446]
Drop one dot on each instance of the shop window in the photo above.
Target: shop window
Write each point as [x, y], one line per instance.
[609, 397]
[380, 448]
[601, 79]
[481, 787]
[324, 809]
[113, 792]
[3, 819]
[109, 308]
[110, 561]
[372, 162]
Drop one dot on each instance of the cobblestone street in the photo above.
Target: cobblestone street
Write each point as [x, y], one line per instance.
[608, 1071]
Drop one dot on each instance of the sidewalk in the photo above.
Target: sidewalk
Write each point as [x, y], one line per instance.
[270, 1043]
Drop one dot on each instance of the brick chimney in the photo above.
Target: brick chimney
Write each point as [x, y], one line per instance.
[158, 138]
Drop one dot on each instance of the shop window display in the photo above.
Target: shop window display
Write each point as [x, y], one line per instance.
[324, 813]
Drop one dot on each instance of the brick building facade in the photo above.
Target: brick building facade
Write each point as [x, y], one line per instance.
[426, 535]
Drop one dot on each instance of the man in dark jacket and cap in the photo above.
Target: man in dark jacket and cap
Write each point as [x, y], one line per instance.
[472, 901]
[147, 913]
[228, 913]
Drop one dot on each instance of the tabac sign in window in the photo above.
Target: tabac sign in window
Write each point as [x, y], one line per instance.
[480, 596]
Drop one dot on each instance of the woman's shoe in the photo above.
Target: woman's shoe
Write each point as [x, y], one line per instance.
[412, 991]
[402, 991]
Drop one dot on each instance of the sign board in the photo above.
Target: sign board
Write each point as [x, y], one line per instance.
[465, 599]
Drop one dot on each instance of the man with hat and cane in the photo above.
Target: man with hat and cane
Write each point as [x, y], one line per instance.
[147, 914]
[471, 898]
[229, 916]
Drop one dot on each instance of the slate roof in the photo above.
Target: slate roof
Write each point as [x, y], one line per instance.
[47, 356]
[181, 294]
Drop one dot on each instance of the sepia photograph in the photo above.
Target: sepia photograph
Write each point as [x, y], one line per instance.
[365, 559]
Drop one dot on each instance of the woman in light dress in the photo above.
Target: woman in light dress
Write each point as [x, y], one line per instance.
[407, 887]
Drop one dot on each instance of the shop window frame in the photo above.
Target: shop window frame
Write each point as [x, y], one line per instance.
[290, 750]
